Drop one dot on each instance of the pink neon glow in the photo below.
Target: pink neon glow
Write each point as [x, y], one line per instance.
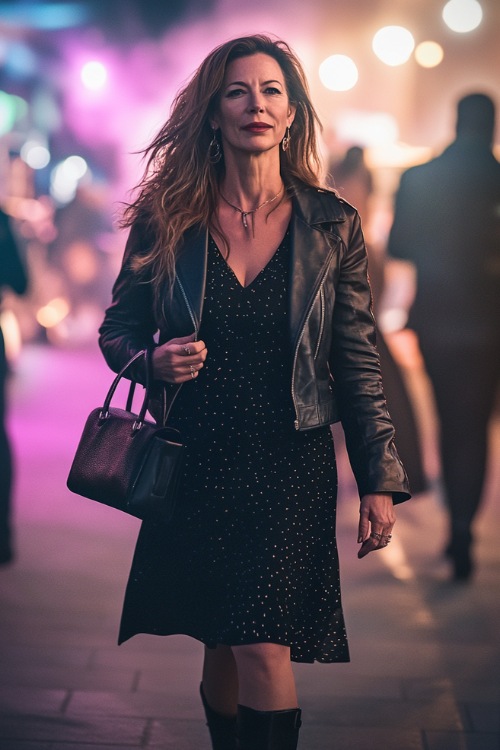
[143, 79]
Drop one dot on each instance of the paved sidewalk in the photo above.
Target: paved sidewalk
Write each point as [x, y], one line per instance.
[425, 670]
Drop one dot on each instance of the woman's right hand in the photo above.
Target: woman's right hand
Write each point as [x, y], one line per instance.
[179, 360]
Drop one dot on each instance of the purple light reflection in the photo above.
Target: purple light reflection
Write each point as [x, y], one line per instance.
[144, 77]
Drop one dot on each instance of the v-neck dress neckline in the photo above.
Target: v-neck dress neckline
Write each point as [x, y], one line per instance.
[244, 287]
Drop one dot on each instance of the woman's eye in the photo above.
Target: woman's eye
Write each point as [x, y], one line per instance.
[234, 93]
[272, 90]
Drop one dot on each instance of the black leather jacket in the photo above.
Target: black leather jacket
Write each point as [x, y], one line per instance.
[335, 371]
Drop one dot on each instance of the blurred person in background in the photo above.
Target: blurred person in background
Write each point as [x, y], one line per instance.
[12, 276]
[351, 177]
[353, 180]
[447, 223]
[254, 278]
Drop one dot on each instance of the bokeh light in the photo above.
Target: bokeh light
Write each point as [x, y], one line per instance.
[429, 54]
[462, 15]
[393, 45]
[7, 112]
[12, 109]
[35, 154]
[53, 312]
[46, 16]
[65, 178]
[338, 73]
[94, 75]
[11, 333]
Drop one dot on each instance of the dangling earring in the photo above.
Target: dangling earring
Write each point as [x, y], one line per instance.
[285, 143]
[214, 149]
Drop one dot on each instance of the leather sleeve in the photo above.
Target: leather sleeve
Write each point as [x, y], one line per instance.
[355, 368]
[129, 323]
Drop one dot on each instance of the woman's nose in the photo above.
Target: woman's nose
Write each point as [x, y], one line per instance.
[256, 104]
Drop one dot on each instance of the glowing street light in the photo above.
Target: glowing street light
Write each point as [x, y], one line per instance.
[393, 45]
[94, 75]
[429, 54]
[462, 15]
[338, 73]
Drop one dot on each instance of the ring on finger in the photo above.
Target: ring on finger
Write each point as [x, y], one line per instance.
[374, 535]
[187, 351]
[192, 370]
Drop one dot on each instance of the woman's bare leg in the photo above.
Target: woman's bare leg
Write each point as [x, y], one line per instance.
[220, 680]
[266, 679]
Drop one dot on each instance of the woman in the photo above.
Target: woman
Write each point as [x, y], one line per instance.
[254, 280]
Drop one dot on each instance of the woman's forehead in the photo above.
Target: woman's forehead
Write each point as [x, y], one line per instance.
[259, 66]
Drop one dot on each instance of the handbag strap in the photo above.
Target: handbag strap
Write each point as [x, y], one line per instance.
[148, 353]
[104, 414]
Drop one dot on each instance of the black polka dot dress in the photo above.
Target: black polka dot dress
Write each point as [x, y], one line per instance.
[251, 554]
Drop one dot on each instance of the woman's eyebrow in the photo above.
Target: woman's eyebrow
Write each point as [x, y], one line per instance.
[242, 83]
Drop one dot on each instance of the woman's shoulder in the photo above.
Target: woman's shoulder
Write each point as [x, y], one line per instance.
[142, 233]
[338, 201]
[314, 199]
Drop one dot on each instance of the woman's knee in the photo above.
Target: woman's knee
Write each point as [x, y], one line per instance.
[262, 657]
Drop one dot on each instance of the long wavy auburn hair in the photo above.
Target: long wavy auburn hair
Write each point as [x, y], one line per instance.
[179, 187]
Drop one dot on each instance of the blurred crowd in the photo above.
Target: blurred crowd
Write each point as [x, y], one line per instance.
[70, 252]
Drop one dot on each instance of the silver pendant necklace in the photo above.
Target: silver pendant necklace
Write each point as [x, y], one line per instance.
[244, 214]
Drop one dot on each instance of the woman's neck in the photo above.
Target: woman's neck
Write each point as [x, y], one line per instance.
[248, 185]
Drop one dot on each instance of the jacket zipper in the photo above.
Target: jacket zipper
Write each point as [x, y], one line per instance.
[190, 310]
[168, 408]
[322, 321]
[319, 292]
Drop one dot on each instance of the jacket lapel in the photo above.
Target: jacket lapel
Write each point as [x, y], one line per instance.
[191, 269]
[313, 242]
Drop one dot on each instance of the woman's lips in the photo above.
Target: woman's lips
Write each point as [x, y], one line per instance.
[256, 127]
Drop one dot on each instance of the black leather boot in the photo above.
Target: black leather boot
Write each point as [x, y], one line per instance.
[222, 728]
[268, 730]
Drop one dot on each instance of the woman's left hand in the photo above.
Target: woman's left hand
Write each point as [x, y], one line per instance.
[376, 520]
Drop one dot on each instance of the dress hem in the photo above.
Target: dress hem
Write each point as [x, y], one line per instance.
[212, 644]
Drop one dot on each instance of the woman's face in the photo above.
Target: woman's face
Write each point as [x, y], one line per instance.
[254, 110]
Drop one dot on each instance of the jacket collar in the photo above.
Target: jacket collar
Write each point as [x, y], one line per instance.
[316, 206]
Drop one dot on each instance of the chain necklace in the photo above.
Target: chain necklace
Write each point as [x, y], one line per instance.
[244, 214]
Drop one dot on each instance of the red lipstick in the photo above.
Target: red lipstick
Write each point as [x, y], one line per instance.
[256, 127]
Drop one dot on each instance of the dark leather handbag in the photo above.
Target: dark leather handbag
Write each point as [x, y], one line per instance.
[125, 461]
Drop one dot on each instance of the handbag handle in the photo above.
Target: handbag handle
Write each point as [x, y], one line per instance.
[148, 353]
[104, 413]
